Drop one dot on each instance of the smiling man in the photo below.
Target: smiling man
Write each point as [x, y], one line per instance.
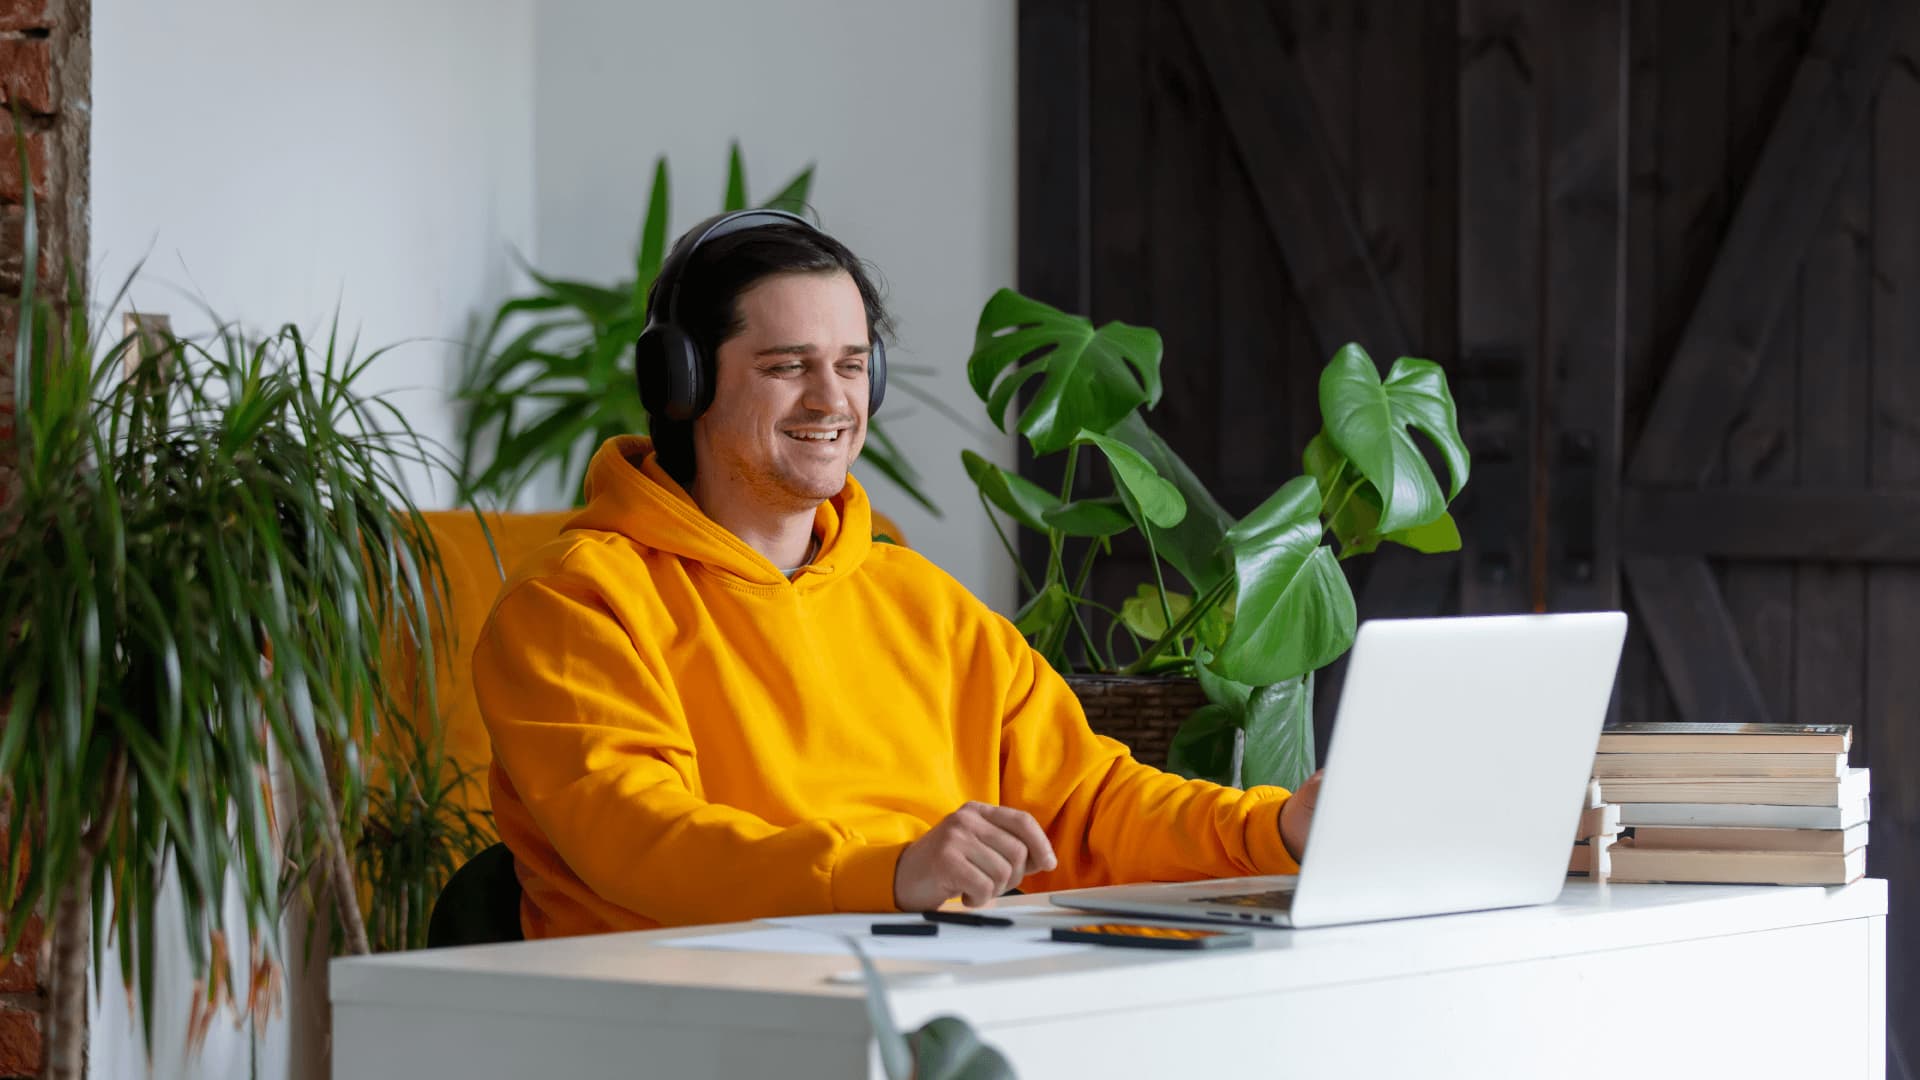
[716, 697]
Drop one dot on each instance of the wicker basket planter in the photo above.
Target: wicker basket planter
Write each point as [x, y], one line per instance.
[1142, 712]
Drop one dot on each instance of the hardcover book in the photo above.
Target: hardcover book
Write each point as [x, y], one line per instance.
[1727, 738]
[1632, 863]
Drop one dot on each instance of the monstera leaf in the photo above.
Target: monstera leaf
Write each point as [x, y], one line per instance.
[1196, 547]
[1354, 507]
[1089, 379]
[1368, 420]
[1296, 610]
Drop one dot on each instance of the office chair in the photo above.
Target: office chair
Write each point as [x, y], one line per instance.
[480, 904]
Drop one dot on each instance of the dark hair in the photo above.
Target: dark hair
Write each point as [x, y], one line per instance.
[708, 307]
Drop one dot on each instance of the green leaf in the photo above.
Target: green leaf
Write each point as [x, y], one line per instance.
[1368, 421]
[793, 197]
[1021, 499]
[1196, 546]
[1295, 611]
[946, 1048]
[1157, 500]
[736, 196]
[895, 1056]
[653, 235]
[1143, 614]
[1093, 518]
[1279, 747]
[1090, 379]
[1203, 747]
[1434, 537]
[1046, 608]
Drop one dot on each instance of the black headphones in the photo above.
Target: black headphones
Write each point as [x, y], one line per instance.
[684, 375]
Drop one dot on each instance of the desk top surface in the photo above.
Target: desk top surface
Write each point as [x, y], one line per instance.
[632, 977]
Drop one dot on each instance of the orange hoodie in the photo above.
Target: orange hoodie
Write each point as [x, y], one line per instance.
[683, 735]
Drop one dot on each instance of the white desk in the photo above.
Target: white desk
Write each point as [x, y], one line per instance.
[1611, 981]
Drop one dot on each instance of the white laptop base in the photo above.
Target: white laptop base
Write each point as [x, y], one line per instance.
[1455, 778]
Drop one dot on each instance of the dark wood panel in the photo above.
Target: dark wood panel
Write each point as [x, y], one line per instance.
[1641, 695]
[1273, 124]
[1184, 177]
[1497, 375]
[1762, 55]
[1778, 213]
[1585, 338]
[1835, 381]
[1815, 524]
[1686, 620]
[1890, 738]
[1053, 110]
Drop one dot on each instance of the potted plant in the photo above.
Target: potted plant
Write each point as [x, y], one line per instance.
[197, 570]
[1247, 609]
[562, 384]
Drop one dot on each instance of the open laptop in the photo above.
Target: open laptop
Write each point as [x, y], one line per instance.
[1455, 778]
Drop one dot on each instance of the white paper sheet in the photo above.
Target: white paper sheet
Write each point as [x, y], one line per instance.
[821, 935]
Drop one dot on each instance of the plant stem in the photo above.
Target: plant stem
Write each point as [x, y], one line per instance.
[1054, 536]
[1166, 610]
[1025, 578]
[1344, 500]
[1079, 586]
[1200, 607]
[71, 938]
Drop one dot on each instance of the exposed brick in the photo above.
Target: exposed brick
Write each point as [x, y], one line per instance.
[26, 73]
[12, 226]
[21, 975]
[25, 14]
[19, 1042]
[39, 147]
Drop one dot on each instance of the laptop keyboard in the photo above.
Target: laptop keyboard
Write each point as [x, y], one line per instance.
[1272, 898]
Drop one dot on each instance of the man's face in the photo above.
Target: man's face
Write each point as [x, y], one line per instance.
[789, 410]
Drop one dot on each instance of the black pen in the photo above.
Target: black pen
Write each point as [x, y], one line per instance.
[965, 918]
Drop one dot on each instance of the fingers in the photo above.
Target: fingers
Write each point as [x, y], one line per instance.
[1020, 825]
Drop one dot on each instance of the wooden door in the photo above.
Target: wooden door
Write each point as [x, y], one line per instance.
[1668, 252]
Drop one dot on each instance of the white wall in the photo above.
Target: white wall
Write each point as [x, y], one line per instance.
[907, 109]
[275, 159]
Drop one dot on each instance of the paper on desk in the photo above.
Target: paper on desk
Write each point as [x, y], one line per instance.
[821, 935]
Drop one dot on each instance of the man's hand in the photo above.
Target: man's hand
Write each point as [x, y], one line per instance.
[1296, 817]
[977, 852]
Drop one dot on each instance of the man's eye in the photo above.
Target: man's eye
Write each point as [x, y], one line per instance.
[853, 367]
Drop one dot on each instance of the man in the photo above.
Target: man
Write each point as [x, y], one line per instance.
[715, 697]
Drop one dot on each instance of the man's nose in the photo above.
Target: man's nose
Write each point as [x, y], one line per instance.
[827, 392]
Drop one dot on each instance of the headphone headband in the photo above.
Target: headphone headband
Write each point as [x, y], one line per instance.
[738, 221]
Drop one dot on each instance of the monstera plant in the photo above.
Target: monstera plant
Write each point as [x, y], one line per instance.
[1249, 607]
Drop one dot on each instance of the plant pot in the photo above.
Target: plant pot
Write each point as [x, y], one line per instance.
[1141, 711]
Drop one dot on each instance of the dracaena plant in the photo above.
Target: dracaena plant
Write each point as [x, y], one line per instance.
[197, 567]
[1250, 607]
[552, 376]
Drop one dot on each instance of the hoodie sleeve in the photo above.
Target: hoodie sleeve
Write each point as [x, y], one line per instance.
[1112, 819]
[595, 744]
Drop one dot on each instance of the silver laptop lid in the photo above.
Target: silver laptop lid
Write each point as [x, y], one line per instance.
[1458, 765]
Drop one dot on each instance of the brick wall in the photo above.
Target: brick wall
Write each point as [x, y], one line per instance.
[45, 69]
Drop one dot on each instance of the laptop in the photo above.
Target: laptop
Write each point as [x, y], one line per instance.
[1455, 779]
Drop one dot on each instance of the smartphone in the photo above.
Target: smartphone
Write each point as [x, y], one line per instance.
[1136, 936]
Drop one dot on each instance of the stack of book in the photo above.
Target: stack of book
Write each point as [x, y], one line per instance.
[1599, 828]
[1735, 803]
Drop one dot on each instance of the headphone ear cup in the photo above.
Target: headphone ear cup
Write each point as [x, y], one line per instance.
[876, 376]
[684, 375]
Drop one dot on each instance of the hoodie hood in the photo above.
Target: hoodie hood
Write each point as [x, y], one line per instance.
[642, 503]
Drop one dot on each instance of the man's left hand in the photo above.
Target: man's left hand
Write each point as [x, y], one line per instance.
[1296, 817]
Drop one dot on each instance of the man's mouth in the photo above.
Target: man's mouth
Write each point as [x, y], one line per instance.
[816, 436]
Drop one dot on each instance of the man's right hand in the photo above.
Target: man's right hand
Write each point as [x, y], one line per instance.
[976, 853]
